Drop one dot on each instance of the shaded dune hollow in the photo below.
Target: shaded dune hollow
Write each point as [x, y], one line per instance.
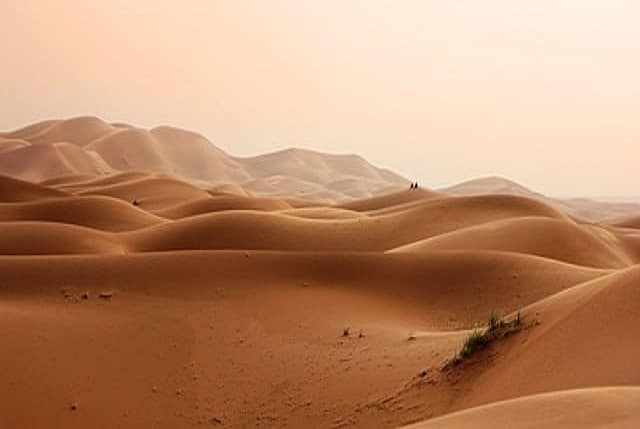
[138, 290]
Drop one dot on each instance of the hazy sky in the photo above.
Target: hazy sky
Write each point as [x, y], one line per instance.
[544, 92]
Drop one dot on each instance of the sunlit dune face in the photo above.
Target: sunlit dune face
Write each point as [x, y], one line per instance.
[542, 92]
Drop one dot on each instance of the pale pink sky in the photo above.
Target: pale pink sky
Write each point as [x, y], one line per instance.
[545, 92]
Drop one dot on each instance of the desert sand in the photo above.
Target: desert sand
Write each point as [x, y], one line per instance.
[150, 280]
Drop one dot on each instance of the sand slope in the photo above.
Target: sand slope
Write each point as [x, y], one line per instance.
[107, 214]
[581, 328]
[14, 190]
[588, 408]
[389, 200]
[220, 203]
[18, 238]
[629, 222]
[552, 238]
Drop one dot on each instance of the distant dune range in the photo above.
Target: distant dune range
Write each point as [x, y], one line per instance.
[90, 146]
[149, 280]
[57, 151]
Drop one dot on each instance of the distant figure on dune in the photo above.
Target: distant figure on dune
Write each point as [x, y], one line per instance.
[414, 185]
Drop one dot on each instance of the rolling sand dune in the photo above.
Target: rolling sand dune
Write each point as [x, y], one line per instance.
[630, 242]
[106, 214]
[424, 283]
[486, 206]
[150, 192]
[220, 203]
[69, 179]
[273, 231]
[13, 190]
[389, 200]
[84, 183]
[18, 238]
[323, 213]
[150, 280]
[228, 188]
[551, 238]
[630, 222]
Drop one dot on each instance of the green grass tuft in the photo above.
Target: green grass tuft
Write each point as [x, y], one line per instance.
[497, 327]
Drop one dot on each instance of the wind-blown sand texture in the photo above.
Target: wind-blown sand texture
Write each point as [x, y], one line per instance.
[138, 299]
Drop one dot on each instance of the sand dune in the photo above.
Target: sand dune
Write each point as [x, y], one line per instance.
[220, 203]
[323, 213]
[629, 222]
[61, 181]
[502, 206]
[150, 280]
[587, 408]
[30, 130]
[106, 214]
[150, 192]
[78, 131]
[18, 238]
[424, 284]
[629, 242]
[551, 238]
[162, 312]
[582, 208]
[316, 167]
[581, 328]
[389, 200]
[13, 190]
[227, 188]
[7, 145]
[39, 162]
[274, 231]
[194, 156]
[92, 182]
[167, 150]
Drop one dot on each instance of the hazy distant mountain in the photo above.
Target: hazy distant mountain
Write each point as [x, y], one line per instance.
[90, 146]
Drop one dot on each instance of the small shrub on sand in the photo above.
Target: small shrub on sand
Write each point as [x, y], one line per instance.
[497, 328]
[494, 322]
[474, 341]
